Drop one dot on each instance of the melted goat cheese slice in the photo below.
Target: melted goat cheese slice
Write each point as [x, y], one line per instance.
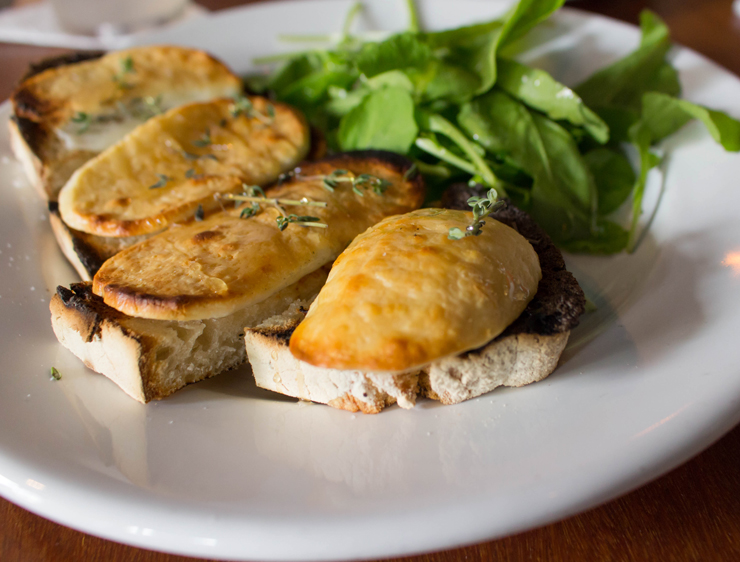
[403, 294]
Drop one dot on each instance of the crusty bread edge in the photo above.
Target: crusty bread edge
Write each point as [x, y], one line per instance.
[513, 360]
[102, 344]
[65, 240]
[31, 163]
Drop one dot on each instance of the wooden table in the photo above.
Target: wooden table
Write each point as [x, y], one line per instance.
[693, 513]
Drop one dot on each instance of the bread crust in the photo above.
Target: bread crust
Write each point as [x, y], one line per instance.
[225, 262]
[274, 368]
[513, 360]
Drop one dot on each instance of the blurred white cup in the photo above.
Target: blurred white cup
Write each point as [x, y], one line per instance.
[108, 17]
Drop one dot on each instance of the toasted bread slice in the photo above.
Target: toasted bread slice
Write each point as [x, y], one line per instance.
[211, 268]
[151, 359]
[67, 110]
[174, 163]
[527, 351]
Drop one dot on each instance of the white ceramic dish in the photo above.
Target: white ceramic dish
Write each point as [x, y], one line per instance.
[225, 470]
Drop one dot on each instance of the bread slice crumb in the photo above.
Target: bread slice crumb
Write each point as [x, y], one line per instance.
[514, 360]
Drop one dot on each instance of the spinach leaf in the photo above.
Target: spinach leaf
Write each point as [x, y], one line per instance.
[663, 115]
[342, 100]
[538, 90]
[535, 144]
[397, 52]
[613, 176]
[473, 49]
[642, 138]
[623, 83]
[606, 238]
[383, 120]
[526, 15]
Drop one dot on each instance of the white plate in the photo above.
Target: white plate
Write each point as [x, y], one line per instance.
[224, 470]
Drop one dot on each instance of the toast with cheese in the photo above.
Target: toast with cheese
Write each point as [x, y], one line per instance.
[210, 268]
[181, 275]
[69, 109]
[168, 167]
[526, 351]
[151, 359]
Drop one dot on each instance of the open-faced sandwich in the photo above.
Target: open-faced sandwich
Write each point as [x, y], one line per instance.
[169, 167]
[410, 309]
[172, 309]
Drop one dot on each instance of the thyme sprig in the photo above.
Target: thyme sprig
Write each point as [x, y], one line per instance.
[127, 67]
[204, 140]
[283, 221]
[84, 120]
[243, 106]
[192, 157]
[163, 180]
[482, 207]
[357, 182]
[276, 201]
[255, 195]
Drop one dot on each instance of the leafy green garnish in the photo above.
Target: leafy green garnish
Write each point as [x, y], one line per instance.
[482, 207]
[204, 140]
[459, 106]
[55, 374]
[283, 221]
[163, 180]
[383, 120]
[84, 120]
[127, 67]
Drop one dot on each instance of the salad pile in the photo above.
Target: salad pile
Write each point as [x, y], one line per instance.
[460, 105]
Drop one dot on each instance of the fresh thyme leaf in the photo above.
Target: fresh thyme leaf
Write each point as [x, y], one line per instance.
[249, 211]
[357, 190]
[283, 222]
[55, 374]
[456, 234]
[204, 140]
[482, 207]
[330, 184]
[241, 105]
[127, 67]
[199, 213]
[244, 106]
[163, 179]
[191, 174]
[84, 120]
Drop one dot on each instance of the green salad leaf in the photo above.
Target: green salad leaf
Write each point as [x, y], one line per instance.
[457, 103]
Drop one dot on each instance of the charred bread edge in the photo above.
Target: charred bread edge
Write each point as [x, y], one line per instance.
[29, 132]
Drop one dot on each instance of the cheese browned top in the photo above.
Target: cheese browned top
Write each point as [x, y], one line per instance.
[403, 294]
[211, 268]
[165, 168]
[119, 91]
